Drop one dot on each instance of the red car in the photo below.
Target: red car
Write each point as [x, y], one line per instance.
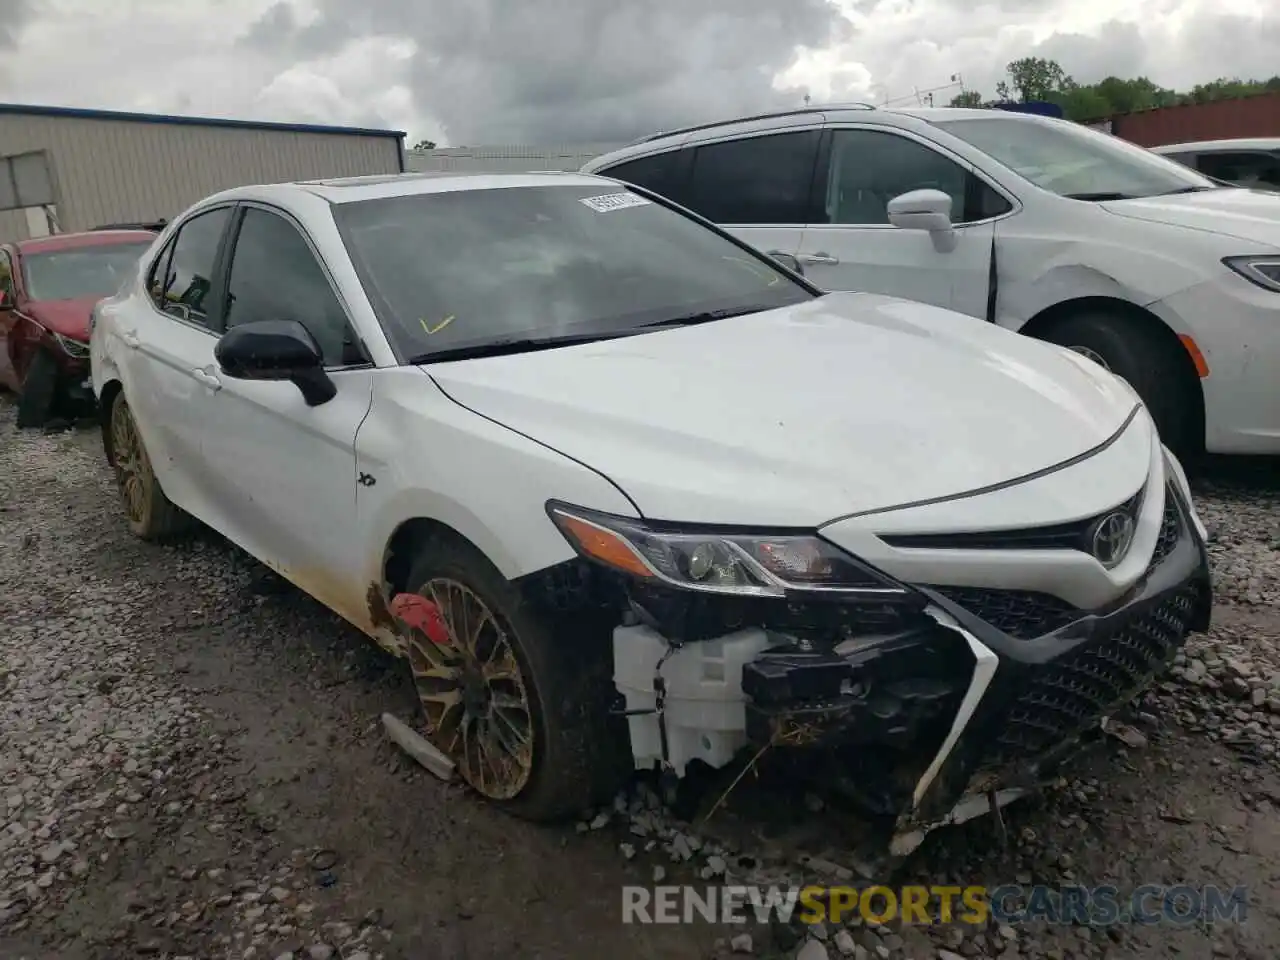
[48, 287]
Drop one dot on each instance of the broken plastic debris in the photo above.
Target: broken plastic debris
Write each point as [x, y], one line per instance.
[419, 613]
[1129, 736]
[416, 746]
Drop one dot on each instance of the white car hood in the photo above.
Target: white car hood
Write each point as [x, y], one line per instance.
[1247, 214]
[795, 416]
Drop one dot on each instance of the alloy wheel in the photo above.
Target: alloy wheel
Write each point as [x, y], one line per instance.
[473, 692]
[132, 466]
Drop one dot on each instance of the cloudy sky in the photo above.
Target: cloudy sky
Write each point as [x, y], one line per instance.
[557, 71]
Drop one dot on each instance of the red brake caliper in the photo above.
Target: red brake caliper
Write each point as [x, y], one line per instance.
[420, 613]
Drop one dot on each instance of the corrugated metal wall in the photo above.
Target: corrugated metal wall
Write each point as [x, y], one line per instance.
[125, 171]
[505, 159]
[1218, 120]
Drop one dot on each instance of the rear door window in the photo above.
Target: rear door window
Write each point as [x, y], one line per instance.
[762, 180]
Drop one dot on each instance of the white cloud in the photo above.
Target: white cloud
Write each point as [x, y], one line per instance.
[588, 69]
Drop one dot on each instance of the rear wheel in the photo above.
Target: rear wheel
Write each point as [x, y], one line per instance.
[518, 698]
[151, 515]
[39, 392]
[1150, 359]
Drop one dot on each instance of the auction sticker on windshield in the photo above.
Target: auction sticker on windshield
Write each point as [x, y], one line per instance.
[615, 201]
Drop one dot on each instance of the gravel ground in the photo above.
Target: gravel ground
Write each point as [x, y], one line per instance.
[191, 765]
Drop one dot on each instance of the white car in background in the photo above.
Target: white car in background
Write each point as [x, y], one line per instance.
[625, 492]
[1034, 224]
[1245, 162]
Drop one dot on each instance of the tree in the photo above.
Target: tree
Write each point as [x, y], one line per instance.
[1036, 78]
[425, 145]
[1082, 103]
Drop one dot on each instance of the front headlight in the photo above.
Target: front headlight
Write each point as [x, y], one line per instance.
[1263, 271]
[72, 348]
[717, 561]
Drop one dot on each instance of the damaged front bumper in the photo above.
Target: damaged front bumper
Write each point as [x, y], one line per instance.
[942, 714]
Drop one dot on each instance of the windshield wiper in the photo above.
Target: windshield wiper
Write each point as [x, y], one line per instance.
[1100, 196]
[1191, 189]
[702, 316]
[509, 345]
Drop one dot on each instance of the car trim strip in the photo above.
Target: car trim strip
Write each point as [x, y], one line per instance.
[1003, 484]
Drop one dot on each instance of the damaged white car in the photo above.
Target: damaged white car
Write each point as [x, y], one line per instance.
[650, 488]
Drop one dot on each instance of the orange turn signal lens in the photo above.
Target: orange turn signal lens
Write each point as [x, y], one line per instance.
[1197, 358]
[602, 545]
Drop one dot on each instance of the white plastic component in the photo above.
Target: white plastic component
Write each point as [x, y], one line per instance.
[705, 710]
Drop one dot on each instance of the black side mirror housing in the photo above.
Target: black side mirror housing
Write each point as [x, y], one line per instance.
[276, 350]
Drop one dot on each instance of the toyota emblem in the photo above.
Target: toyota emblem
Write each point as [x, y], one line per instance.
[1112, 537]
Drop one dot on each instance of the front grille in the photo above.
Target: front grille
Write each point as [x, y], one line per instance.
[1062, 536]
[1064, 697]
[1023, 614]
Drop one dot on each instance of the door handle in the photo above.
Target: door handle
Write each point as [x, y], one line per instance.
[208, 379]
[130, 338]
[818, 257]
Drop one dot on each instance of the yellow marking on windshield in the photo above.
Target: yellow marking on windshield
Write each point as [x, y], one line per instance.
[429, 330]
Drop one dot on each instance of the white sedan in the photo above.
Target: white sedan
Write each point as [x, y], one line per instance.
[621, 488]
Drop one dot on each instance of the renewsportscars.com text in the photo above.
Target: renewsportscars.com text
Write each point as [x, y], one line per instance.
[1011, 904]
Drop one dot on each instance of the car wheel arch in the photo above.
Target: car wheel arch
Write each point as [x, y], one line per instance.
[1043, 324]
[110, 390]
[408, 539]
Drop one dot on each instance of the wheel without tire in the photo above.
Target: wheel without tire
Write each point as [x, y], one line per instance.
[1151, 360]
[39, 391]
[518, 699]
[151, 515]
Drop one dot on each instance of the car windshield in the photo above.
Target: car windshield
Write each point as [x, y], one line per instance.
[454, 270]
[1074, 161]
[77, 272]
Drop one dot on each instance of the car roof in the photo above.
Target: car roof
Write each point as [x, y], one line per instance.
[89, 238]
[824, 113]
[1207, 146]
[378, 186]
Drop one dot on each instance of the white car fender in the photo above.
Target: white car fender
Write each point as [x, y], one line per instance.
[1031, 284]
[436, 460]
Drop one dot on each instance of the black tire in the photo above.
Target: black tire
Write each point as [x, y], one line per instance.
[152, 516]
[39, 392]
[578, 757]
[1151, 360]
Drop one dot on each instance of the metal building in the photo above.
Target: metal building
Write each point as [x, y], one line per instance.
[505, 159]
[63, 170]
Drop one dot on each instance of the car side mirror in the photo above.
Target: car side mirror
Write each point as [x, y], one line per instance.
[928, 210]
[788, 261]
[276, 350]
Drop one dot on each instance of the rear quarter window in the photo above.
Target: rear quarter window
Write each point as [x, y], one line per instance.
[661, 173]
